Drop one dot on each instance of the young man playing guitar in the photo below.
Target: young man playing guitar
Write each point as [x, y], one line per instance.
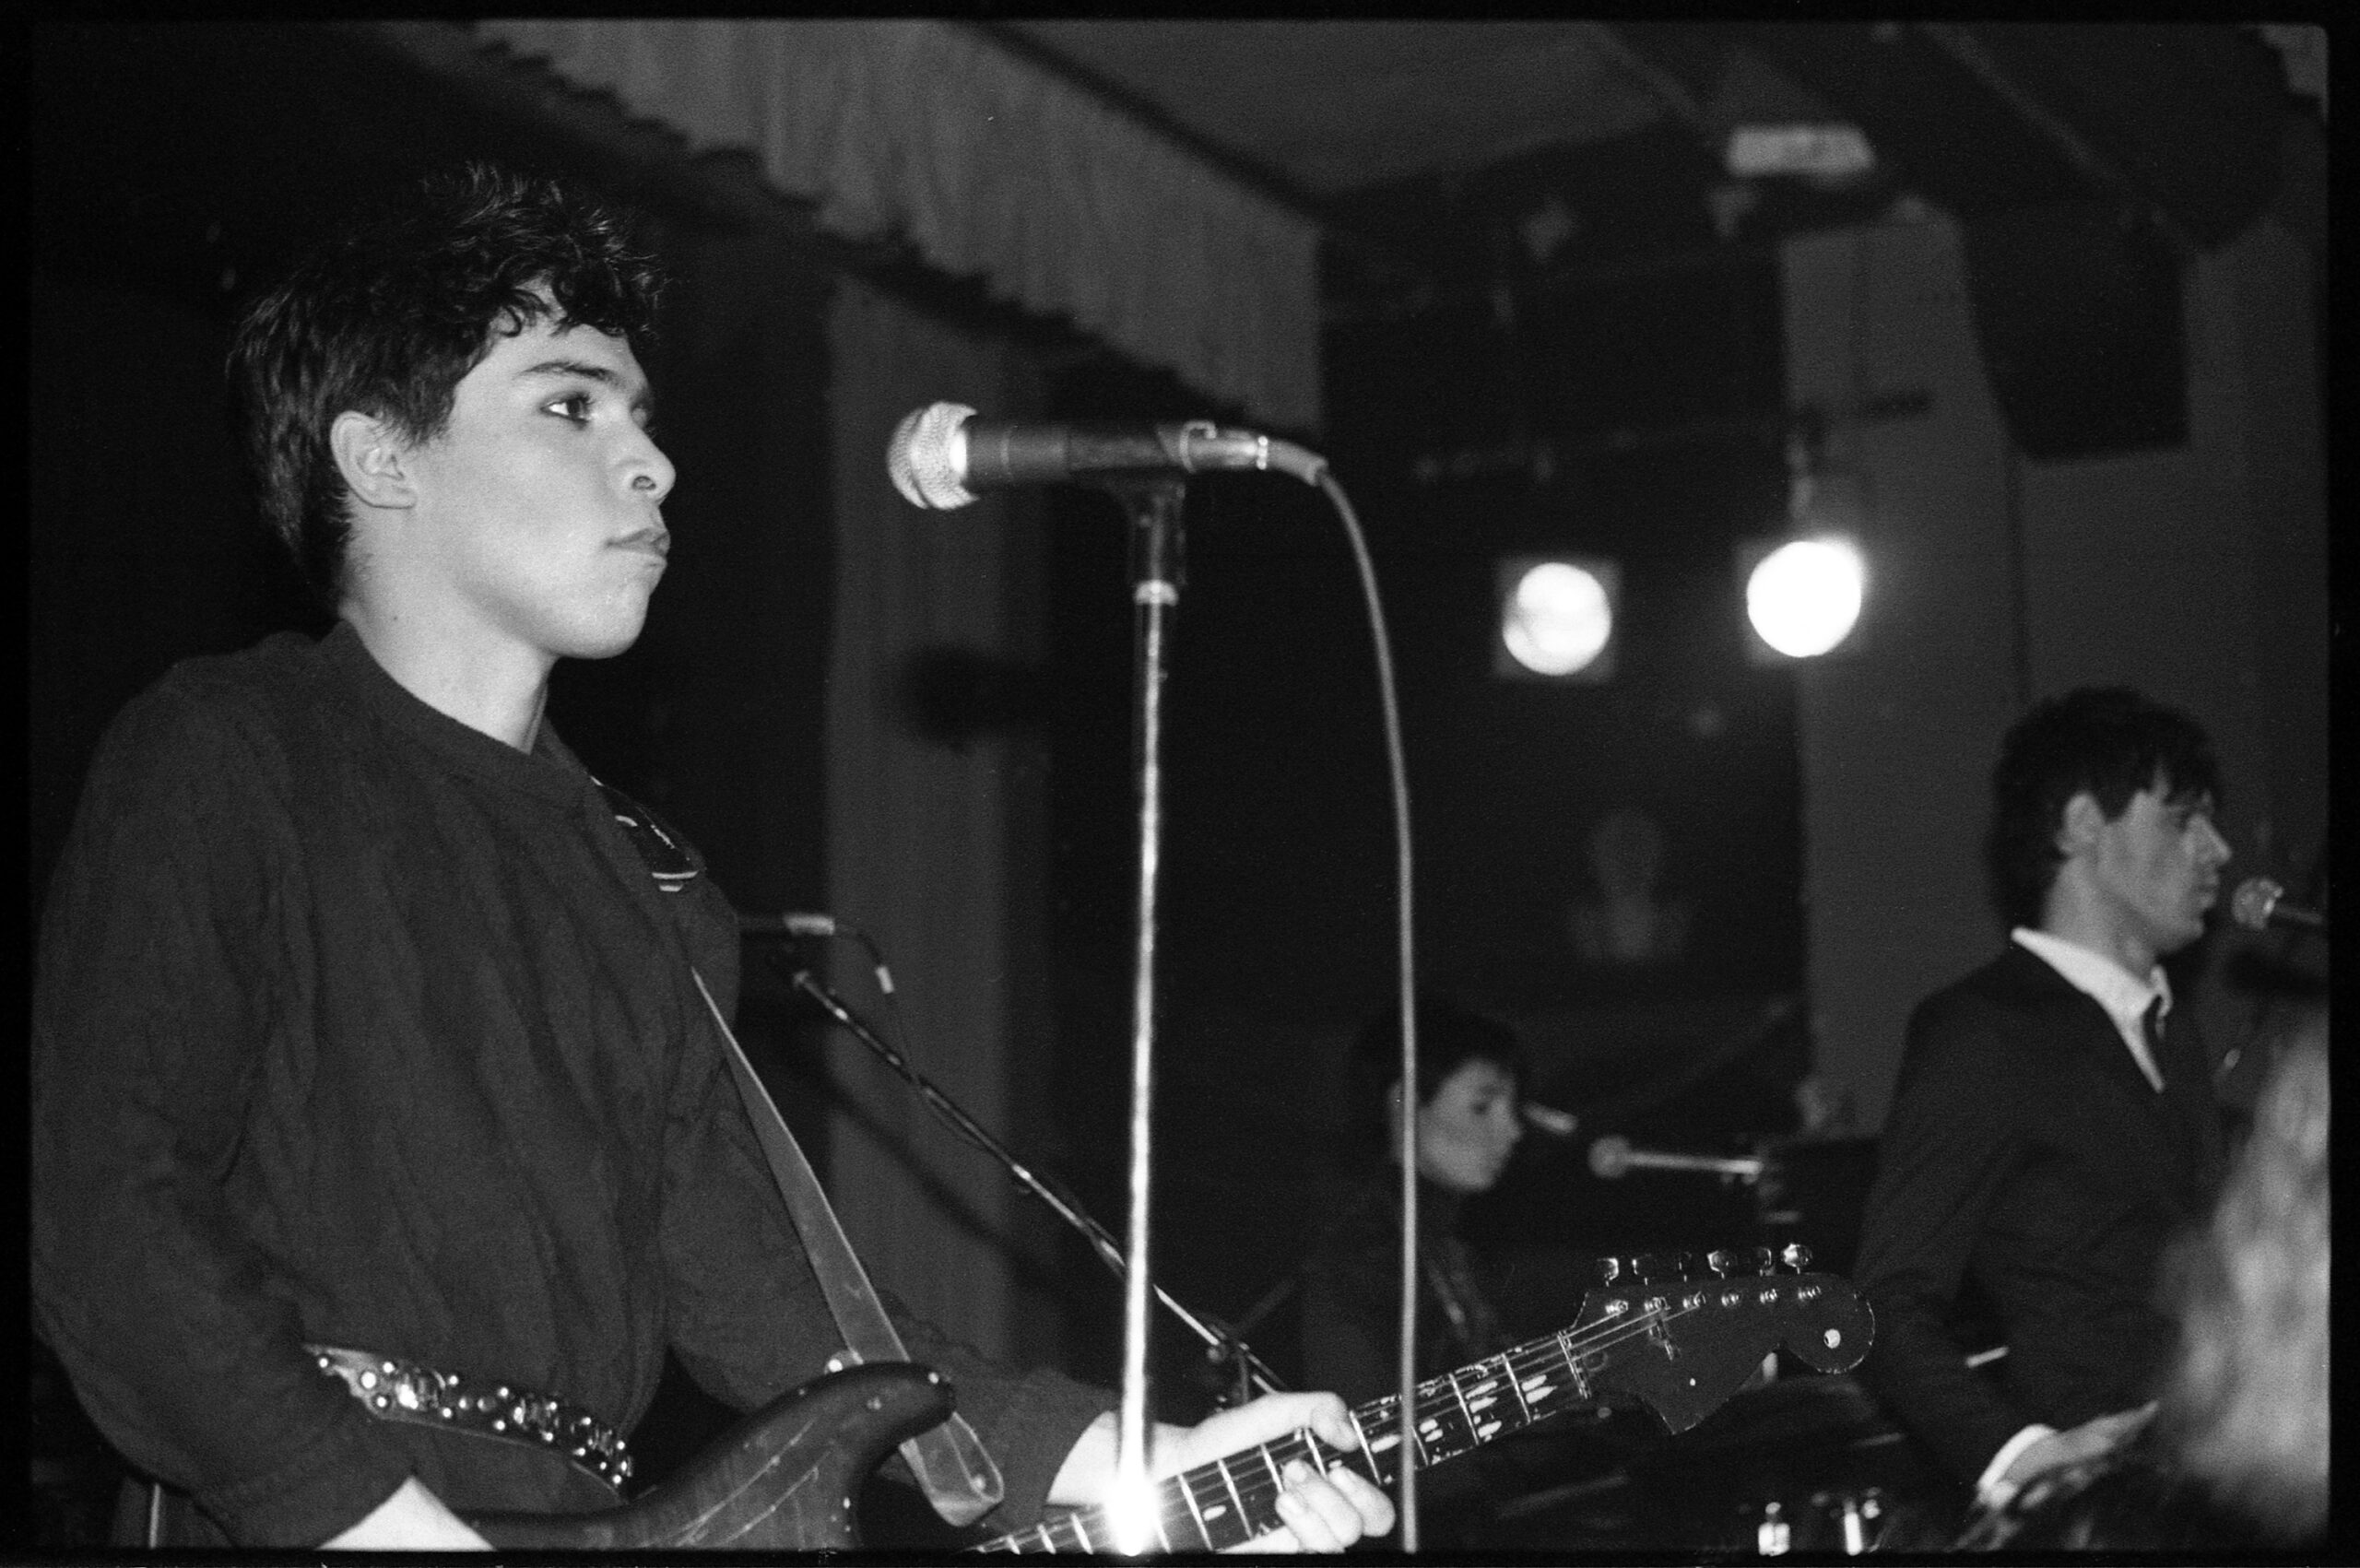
[360, 1023]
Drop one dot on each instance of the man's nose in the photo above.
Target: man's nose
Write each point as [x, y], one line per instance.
[650, 470]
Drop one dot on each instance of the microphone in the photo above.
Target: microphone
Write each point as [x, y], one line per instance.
[1549, 1119]
[941, 454]
[2260, 903]
[1612, 1156]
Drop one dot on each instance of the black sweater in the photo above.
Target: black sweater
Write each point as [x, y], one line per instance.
[354, 1026]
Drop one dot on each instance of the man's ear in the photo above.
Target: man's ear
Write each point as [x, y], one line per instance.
[372, 459]
[2078, 824]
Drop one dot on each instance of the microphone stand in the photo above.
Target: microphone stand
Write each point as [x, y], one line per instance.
[1153, 505]
[1222, 1342]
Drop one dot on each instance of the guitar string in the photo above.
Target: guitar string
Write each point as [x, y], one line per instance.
[1535, 1355]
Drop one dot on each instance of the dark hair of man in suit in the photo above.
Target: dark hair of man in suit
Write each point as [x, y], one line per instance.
[390, 314]
[2110, 741]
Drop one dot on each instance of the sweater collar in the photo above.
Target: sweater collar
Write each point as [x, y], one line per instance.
[550, 771]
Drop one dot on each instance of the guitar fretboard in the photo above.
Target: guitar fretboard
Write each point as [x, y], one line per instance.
[1235, 1499]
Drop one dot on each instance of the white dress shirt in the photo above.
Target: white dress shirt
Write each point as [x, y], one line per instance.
[2125, 997]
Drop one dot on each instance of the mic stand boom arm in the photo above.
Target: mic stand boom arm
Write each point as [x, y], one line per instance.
[1216, 1338]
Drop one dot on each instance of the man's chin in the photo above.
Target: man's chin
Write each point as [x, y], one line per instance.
[604, 642]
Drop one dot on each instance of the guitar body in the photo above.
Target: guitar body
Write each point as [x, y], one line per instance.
[781, 1479]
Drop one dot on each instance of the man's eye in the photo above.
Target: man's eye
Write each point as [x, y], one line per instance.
[574, 407]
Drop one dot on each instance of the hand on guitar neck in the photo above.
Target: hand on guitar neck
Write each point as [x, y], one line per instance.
[1319, 1511]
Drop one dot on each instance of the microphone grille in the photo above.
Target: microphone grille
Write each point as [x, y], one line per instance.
[2255, 898]
[927, 459]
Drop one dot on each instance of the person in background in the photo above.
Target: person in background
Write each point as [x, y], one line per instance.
[2054, 1124]
[1469, 1115]
[1471, 1080]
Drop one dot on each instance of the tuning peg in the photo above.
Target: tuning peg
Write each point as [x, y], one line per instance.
[1795, 1256]
[1725, 1261]
[1616, 1270]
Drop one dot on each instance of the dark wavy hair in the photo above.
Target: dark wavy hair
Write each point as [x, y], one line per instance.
[389, 313]
[1450, 1034]
[2111, 741]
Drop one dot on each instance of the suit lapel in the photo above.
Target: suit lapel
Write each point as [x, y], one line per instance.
[2172, 1131]
[2075, 1016]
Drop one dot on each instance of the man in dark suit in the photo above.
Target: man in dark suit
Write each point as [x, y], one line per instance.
[2050, 1131]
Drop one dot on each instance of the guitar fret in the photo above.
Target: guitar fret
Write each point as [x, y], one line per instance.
[1459, 1394]
[1515, 1386]
[1375, 1470]
[1486, 1396]
[1229, 1482]
[1435, 1419]
[1188, 1495]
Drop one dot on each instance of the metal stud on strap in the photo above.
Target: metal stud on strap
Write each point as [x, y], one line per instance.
[394, 1389]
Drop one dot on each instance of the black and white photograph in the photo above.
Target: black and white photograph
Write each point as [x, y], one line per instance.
[1496, 788]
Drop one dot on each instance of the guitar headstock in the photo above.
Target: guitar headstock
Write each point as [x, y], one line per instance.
[1694, 1337]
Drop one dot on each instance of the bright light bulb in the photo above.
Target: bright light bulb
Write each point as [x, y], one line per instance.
[1804, 596]
[1558, 619]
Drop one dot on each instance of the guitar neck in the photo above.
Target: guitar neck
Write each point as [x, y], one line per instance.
[1235, 1499]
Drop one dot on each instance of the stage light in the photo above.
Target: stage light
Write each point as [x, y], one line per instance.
[1803, 596]
[1556, 618]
